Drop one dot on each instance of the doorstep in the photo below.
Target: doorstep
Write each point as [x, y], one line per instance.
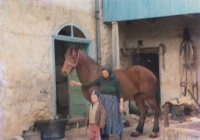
[75, 122]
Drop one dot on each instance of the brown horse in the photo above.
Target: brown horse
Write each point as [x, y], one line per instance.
[137, 83]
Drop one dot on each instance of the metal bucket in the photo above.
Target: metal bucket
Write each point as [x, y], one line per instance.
[52, 129]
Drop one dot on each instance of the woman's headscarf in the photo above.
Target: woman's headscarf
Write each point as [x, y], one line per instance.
[110, 72]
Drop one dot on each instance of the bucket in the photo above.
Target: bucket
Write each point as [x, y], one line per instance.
[31, 135]
[52, 129]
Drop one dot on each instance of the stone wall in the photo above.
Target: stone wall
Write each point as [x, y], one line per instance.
[106, 40]
[26, 70]
[169, 31]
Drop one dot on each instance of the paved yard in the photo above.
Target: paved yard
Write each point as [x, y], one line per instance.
[80, 134]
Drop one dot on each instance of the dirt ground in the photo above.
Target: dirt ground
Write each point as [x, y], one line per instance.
[80, 133]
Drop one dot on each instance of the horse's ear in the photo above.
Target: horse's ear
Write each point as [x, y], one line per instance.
[76, 48]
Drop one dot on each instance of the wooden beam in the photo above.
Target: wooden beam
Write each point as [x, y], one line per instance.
[194, 98]
[166, 115]
[130, 51]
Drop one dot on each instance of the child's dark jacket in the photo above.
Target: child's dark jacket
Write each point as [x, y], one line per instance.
[100, 117]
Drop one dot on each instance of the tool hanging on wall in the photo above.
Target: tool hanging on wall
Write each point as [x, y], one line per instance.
[161, 45]
[187, 56]
[141, 49]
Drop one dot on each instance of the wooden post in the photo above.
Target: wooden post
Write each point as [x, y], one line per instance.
[166, 115]
[194, 98]
[115, 45]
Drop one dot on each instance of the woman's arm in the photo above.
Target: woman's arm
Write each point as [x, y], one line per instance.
[74, 83]
[85, 84]
[118, 87]
[121, 95]
[121, 107]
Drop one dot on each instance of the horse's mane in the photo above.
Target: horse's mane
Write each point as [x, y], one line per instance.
[92, 60]
[87, 68]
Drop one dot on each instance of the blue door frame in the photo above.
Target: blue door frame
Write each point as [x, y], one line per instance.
[67, 39]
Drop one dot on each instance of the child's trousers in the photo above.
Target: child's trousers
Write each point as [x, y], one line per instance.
[93, 132]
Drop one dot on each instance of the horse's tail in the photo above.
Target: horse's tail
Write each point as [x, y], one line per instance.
[158, 99]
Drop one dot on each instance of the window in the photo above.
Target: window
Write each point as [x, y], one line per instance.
[71, 31]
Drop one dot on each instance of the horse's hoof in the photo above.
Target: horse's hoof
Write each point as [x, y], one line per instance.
[153, 135]
[135, 134]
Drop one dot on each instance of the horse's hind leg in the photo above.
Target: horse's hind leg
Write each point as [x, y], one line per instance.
[156, 113]
[141, 105]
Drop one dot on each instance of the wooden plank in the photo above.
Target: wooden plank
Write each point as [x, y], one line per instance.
[166, 115]
[121, 10]
[78, 103]
[138, 9]
[193, 6]
[183, 7]
[131, 8]
[77, 98]
[165, 5]
[194, 98]
[105, 10]
[78, 110]
[146, 9]
[158, 7]
[152, 8]
[162, 8]
[198, 5]
[174, 9]
[113, 9]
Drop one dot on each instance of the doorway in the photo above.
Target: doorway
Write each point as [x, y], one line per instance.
[148, 60]
[68, 101]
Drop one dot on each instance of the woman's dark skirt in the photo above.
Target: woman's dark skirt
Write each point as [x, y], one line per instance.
[113, 116]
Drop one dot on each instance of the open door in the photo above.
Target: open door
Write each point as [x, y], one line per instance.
[69, 100]
[78, 103]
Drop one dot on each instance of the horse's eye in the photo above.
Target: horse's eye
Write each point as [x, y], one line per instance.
[62, 60]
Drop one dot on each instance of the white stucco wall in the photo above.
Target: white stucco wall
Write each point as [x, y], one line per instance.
[26, 70]
[106, 39]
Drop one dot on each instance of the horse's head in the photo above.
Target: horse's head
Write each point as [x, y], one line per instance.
[71, 60]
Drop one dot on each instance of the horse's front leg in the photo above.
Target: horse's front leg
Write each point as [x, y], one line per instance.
[141, 105]
[156, 113]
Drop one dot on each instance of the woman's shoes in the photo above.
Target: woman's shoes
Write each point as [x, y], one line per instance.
[121, 137]
[107, 137]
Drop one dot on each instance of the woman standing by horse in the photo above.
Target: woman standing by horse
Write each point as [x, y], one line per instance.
[109, 87]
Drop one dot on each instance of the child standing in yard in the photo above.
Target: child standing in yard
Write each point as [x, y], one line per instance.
[95, 117]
